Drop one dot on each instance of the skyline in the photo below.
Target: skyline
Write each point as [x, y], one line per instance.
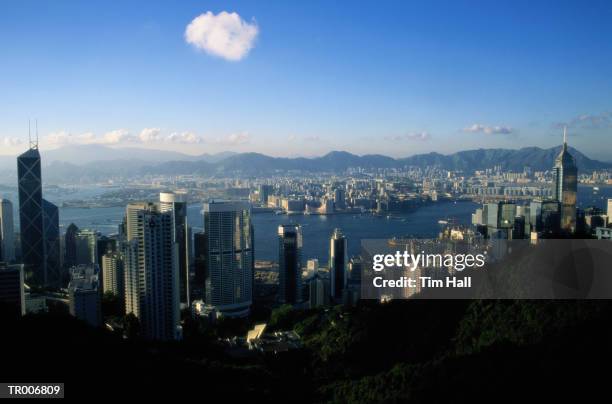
[302, 80]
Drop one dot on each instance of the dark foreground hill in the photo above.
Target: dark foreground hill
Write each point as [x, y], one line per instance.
[416, 351]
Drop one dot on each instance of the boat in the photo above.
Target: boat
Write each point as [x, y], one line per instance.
[442, 221]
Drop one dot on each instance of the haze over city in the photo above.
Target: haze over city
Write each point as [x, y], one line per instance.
[303, 79]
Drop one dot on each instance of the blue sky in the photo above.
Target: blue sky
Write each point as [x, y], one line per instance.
[305, 78]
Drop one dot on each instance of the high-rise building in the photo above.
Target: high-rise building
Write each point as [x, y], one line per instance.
[265, 190]
[290, 263]
[12, 301]
[84, 295]
[70, 246]
[176, 202]
[230, 257]
[151, 271]
[566, 186]
[338, 263]
[609, 211]
[7, 232]
[52, 243]
[112, 274]
[200, 246]
[86, 247]
[31, 216]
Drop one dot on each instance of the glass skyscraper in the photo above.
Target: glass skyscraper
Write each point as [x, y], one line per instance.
[230, 257]
[31, 216]
[566, 187]
[52, 243]
[290, 263]
[338, 263]
[176, 202]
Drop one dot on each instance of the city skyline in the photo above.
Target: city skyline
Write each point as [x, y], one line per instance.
[307, 80]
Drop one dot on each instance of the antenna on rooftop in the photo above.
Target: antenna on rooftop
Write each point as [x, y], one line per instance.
[37, 133]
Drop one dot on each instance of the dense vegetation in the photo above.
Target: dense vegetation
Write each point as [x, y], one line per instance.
[422, 351]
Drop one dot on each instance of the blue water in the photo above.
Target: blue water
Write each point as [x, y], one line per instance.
[423, 222]
[316, 230]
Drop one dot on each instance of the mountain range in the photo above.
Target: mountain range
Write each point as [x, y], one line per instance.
[97, 162]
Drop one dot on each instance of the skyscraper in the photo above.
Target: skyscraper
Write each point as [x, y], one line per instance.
[230, 257]
[7, 232]
[151, 271]
[566, 186]
[70, 246]
[12, 301]
[338, 263]
[52, 243]
[31, 216]
[290, 263]
[86, 247]
[176, 202]
[112, 274]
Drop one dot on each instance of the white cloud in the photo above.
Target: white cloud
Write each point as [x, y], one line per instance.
[588, 121]
[62, 137]
[489, 130]
[225, 35]
[117, 136]
[184, 138]
[150, 135]
[12, 141]
[418, 136]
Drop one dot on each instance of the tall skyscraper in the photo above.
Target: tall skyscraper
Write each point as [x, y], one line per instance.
[566, 186]
[151, 271]
[31, 216]
[52, 243]
[609, 211]
[176, 202]
[230, 257]
[290, 263]
[200, 246]
[70, 246]
[338, 263]
[7, 232]
[86, 247]
[112, 274]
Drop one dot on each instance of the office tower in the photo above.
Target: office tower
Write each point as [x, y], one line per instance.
[609, 211]
[339, 199]
[84, 295]
[176, 202]
[86, 247]
[31, 216]
[535, 215]
[551, 217]
[230, 259]
[566, 186]
[12, 301]
[70, 246]
[112, 274]
[518, 232]
[52, 243]
[338, 261]
[7, 232]
[104, 244]
[290, 263]
[151, 271]
[319, 290]
[265, 190]
[199, 265]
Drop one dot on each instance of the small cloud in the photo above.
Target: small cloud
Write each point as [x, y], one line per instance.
[10, 141]
[312, 139]
[184, 138]
[117, 136]
[150, 135]
[415, 136]
[489, 130]
[588, 121]
[62, 137]
[224, 35]
[233, 139]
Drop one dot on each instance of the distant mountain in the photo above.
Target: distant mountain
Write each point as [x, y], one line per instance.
[95, 162]
[536, 158]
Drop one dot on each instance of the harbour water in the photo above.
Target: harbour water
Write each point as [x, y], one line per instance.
[422, 222]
